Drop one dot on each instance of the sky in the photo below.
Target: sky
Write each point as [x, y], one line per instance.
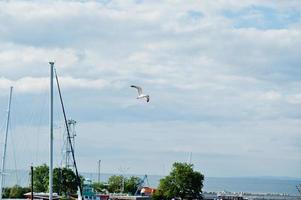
[223, 76]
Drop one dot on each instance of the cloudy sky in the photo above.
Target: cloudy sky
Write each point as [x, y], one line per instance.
[224, 79]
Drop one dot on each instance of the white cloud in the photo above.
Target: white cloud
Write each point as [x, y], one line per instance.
[20, 56]
[197, 69]
[294, 99]
[37, 84]
[271, 95]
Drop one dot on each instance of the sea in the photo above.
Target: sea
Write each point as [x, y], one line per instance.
[258, 185]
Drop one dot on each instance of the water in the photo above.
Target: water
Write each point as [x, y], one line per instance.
[217, 184]
[212, 184]
[253, 185]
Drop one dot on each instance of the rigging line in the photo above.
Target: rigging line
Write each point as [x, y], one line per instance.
[2, 129]
[59, 128]
[14, 152]
[3, 124]
[12, 127]
[67, 128]
[63, 152]
[39, 125]
[63, 144]
[16, 125]
[14, 144]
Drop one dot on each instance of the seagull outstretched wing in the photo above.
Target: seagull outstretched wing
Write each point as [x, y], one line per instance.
[138, 88]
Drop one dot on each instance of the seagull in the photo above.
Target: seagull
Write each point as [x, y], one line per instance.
[140, 94]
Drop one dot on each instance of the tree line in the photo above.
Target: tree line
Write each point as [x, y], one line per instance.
[14, 192]
[182, 183]
[118, 184]
[64, 182]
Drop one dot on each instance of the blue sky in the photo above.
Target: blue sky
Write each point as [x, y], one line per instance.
[223, 76]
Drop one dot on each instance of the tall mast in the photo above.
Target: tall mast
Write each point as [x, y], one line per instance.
[51, 132]
[99, 161]
[5, 142]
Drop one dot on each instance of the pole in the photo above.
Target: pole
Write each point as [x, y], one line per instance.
[5, 142]
[190, 155]
[51, 132]
[123, 171]
[31, 169]
[99, 161]
[70, 142]
[122, 186]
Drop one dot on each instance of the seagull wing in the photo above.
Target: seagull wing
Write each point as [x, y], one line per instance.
[147, 99]
[138, 88]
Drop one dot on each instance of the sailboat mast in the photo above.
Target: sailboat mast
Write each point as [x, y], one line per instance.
[5, 143]
[51, 132]
[69, 138]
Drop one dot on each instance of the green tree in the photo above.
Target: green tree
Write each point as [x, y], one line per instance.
[41, 178]
[132, 184]
[17, 192]
[64, 180]
[182, 182]
[100, 187]
[6, 192]
[115, 183]
[159, 195]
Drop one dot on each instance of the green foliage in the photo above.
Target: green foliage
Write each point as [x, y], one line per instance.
[64, 180]
[5, 194]
[115, 183]
[159, 195]
[41, 178]
[100, 187]
[182, 182]
[130, 184]
[15, 192]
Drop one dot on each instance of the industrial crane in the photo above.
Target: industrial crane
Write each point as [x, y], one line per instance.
[140, 185]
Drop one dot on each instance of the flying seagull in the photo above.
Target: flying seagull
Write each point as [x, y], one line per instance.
[140, 94]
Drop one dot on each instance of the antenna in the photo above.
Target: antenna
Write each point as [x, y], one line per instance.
[68, 153]
[189, 158]
[123, 171]
[99, 161]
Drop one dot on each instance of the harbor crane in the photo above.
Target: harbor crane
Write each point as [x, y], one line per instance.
[299, 188]
[140, 185]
